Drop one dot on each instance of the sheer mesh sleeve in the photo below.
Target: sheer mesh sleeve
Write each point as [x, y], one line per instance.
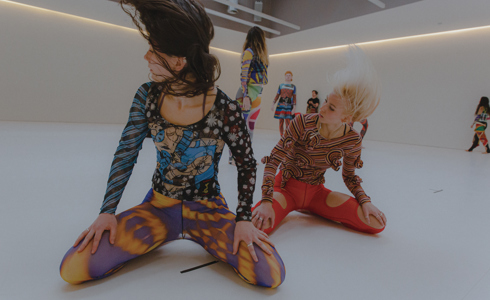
[237, 138]
[352, 160]
[126, 154]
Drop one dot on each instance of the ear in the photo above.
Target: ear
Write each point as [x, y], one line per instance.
[347, 119]
[180, 63]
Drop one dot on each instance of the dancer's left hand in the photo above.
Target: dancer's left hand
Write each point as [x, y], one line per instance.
[264, 216]
[246, 103]
[246, 231]
[369, 209]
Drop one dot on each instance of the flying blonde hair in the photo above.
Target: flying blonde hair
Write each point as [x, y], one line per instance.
[357, 85]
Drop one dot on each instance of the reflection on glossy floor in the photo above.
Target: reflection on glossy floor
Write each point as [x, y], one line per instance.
[436, 245]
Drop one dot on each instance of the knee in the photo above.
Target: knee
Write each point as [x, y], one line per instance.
[75, 266]
[274, 276]
[71, 268]
[373, 226]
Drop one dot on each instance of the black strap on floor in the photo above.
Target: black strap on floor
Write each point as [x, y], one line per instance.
[200, 266]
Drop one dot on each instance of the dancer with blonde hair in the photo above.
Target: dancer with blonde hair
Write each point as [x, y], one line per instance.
[314, 143]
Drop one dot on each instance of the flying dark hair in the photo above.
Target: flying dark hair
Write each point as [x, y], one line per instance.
[178, 28]
[483, 103]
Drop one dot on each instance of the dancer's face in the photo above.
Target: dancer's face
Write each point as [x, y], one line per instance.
[313, 95]
[288, 77]
[157, 70]
[332, 110]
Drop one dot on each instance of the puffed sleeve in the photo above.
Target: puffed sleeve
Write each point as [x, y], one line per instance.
[237, 138]
[352, 160]
[283, 151]
[126, 154]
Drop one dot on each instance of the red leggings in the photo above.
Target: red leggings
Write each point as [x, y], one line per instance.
[304, 196]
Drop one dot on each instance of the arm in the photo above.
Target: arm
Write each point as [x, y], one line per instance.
[284, 150]
[316, 103]
[277, 97]
[352, 160]
[245, 69]
[294, 100]
[122, 166]
[126, 154]
[238, 140]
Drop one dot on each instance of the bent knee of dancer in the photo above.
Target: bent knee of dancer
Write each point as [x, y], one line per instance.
[374, 226]
[269, 271]
[74, 267]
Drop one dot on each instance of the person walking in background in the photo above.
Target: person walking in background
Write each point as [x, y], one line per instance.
[480, 124]
[286, 98]
[313, 103]
[255, 61]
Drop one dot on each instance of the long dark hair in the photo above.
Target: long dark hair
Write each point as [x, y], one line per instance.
[178, 28]
[483, 103]
[256, 41]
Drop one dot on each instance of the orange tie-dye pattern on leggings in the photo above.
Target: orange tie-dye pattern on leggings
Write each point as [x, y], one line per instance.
[159, 220]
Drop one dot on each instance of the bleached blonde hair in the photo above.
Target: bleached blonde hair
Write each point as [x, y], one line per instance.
[357, 85]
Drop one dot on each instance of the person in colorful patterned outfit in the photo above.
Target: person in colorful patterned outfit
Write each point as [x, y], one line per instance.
[314, 143]
[480, 123]
[253, 77]
[189, 121]
[286, 98]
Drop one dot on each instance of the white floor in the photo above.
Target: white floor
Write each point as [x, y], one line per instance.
[436, 244]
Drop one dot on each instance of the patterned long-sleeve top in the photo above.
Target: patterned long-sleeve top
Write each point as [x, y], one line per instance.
[305, 155]
[254, 71]
[187, 156]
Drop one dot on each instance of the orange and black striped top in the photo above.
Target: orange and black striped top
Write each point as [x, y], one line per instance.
[305, 155]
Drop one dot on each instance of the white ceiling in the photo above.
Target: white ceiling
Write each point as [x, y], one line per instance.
[422, 17]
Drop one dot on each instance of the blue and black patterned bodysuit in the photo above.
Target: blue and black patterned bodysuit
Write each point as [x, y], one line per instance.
[187, 156]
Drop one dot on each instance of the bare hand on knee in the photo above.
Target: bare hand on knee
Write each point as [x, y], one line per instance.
[369, 209]
[263, 216]
[245, 231]
[102, 223]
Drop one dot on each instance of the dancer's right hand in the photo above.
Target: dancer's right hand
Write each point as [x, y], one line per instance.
[102, 223]
[264, 216]
[272, 107]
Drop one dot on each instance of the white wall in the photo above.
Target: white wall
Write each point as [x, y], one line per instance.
[430, 86]
[60, 69]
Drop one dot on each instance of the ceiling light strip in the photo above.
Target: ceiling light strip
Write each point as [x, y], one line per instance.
[378, 3]
[92, 20]
[67, 15]
[228, 17]
[260, 14]
[386, 40]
